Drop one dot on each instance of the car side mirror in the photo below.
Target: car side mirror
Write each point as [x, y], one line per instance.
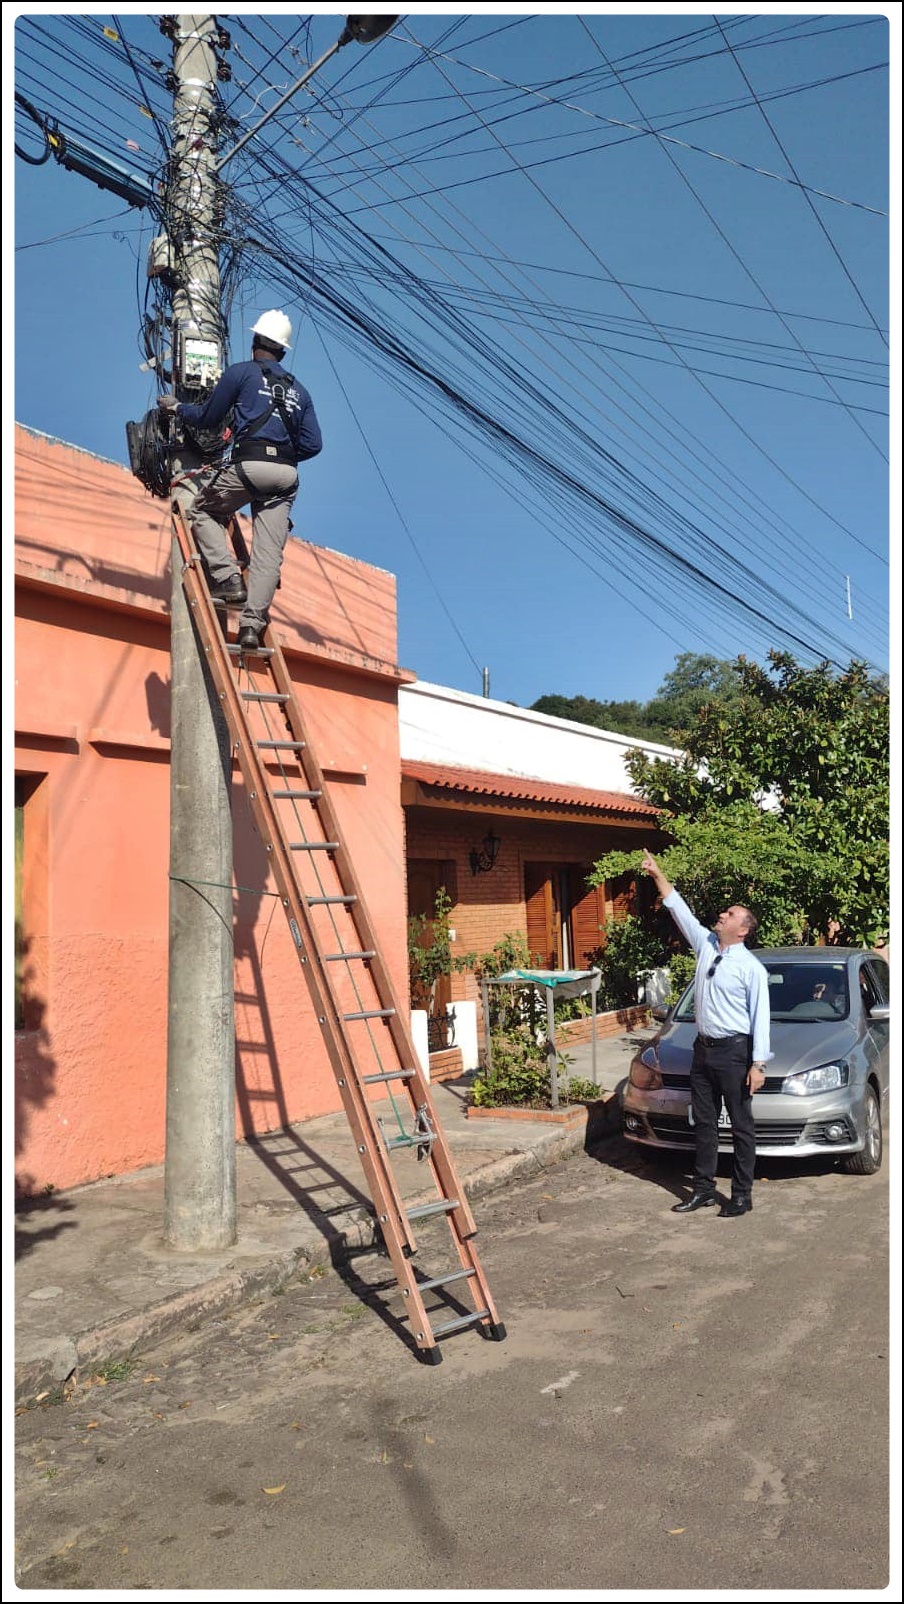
[879, 1014]
[660, 1012]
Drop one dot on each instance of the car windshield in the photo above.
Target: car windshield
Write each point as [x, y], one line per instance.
[798, 992]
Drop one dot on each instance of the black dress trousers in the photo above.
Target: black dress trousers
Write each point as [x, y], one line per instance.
[719, 1072]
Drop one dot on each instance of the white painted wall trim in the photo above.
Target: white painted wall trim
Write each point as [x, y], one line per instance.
[441, 725]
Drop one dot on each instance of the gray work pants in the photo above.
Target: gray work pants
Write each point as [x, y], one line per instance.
[275, 486]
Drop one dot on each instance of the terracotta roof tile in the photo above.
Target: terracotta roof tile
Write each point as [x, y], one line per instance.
[477, 782]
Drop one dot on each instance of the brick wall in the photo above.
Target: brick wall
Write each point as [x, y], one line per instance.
[488, 906]
[611, 1023]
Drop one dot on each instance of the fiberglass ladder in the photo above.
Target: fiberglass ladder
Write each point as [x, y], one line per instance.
[365, 1030]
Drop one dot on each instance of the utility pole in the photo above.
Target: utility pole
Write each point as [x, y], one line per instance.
[199, 1182]
[199, 1173]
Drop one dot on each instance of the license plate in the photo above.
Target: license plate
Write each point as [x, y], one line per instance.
[723, 1122]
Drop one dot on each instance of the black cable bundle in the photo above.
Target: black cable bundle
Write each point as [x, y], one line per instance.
[149, 457]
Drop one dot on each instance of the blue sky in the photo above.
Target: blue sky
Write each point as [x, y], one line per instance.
[648, 253]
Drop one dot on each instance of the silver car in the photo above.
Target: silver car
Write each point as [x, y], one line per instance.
[827, 1085]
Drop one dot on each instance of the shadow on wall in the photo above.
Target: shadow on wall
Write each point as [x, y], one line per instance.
[321, 1190]
[157, 692]
[35, 1084]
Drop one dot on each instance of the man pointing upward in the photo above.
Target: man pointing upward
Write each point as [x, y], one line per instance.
[731, 1008]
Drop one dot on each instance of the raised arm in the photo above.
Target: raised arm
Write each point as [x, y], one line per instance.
[651, 867]
[692, 930]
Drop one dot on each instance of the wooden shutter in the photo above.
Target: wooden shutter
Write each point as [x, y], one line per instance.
[539, 897]
[588, 916]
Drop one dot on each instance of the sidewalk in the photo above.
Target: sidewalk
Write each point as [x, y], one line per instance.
[95, 1280]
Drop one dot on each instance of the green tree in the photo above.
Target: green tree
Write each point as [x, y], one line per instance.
[627, 717]
[695, 681]
[781, 800]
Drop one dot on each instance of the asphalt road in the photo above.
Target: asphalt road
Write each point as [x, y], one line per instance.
[680, 1404]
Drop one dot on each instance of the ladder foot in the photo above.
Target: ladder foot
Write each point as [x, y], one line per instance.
[431, 1356]
[493, 1331]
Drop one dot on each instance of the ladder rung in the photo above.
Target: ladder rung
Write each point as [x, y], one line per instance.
[311, 846]
[337, 957]
[459, 1325]
[444, 1280]
[371, 1013]
[263, 696]
[422, 1210]
[280, 746]
[318, 901]
[389, 1074]
[259, 651]
[305, 796]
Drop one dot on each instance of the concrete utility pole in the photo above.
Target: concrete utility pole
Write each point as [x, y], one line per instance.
[199, 1182]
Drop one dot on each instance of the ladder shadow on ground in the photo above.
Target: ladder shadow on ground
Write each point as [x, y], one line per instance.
[304, 1173]
[283, 1151]
[372, 1292]
[285, 1154]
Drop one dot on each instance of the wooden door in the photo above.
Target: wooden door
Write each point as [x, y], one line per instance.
[425, 878]
[544, 927]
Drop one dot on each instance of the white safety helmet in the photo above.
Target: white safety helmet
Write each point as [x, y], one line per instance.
[274, 326]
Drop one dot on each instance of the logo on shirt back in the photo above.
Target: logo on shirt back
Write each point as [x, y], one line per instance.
[289, 396]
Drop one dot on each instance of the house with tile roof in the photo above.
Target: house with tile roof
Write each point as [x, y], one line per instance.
[508, 809]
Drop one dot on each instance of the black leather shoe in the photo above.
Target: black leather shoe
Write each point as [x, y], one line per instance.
[697, 1200]
[736, 1206]
[249, 639]
[230, 591]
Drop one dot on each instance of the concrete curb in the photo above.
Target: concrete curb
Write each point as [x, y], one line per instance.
[89, 1350]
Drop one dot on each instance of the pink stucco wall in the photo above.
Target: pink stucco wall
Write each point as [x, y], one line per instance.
[92, 752]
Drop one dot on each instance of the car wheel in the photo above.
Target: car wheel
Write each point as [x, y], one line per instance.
[869, 1159]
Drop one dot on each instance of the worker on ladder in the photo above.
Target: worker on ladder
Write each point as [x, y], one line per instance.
[274, 428]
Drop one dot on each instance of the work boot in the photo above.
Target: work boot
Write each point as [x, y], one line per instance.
[249, 638]
[230, 591]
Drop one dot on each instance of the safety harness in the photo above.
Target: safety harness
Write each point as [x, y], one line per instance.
[278, 386]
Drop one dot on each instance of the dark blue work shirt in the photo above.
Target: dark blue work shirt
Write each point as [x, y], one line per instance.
[242, 387]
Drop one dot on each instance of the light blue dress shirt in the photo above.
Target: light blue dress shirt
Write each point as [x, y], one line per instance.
[735, 997]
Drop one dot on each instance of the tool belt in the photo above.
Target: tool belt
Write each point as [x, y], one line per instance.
[263, 451]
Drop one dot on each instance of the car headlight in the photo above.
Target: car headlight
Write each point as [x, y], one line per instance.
[645, 1073]
[827, 1078]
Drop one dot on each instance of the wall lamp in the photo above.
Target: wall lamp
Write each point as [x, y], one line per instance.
[483, 857]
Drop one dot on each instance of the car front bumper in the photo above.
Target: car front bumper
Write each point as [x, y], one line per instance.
[805, 1127]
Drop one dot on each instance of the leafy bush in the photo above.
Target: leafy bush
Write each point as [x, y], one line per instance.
[572, 1008]
[580, 1090]
[430, 951]
[629, 948]
[681, 973]
[519, 1074]
[510, 1006]
[509, 952]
